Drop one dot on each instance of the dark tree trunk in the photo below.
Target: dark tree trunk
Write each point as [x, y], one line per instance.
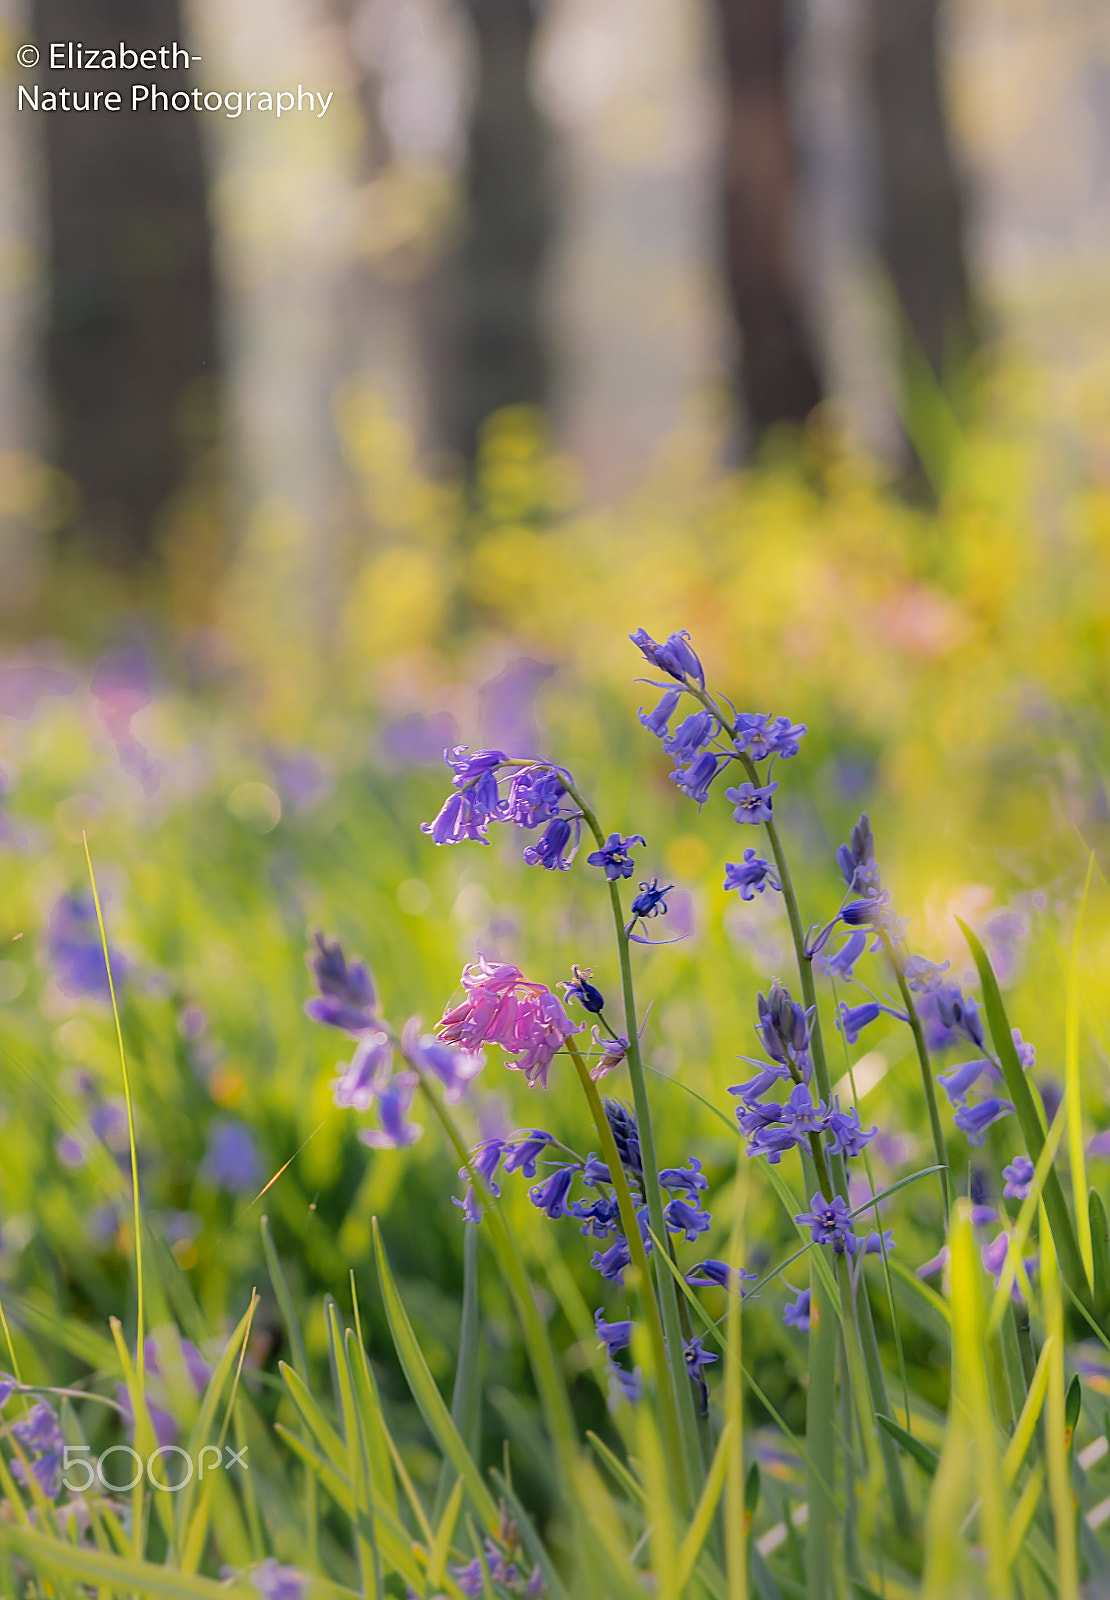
[920, 204]
[501, 357]
[777, 367]
[131, 351]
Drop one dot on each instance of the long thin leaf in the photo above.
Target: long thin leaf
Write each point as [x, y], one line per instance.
[99, 1566]
[1067, 1246]
[424, 1392]
[1073, 1088]
[927, 1459]
[695, 1535]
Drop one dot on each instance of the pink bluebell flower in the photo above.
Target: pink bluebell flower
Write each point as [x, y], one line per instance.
[503, 1007]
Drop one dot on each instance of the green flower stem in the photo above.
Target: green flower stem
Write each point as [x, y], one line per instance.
[672, 1432]
[665, 1289]
[922, 1049]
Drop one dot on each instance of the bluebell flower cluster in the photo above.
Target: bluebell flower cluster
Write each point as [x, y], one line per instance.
[706, 740]
[799, 1120]
[566, 1185]
[536, 795]
[39, 1436]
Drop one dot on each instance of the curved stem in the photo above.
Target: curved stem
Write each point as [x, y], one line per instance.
[926, 1072]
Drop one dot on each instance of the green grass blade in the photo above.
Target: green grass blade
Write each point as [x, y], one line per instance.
[1073, 1089]
[1100, 1252]
[373, 1422]
[531, 1539]
[927, 1459]
[358, 1468]
[1067, 1246]
[427, 1396]
[466, 1398]
[696, 1532]
[143, 1578]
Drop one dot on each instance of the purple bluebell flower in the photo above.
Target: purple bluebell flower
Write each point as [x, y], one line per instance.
[470, 1578]
[783, 1026]
[599, 1219]
[460, 817]
[1019, 1177]
[797, 1313]
[851, 1020]
[759, 735]
[615, 856]
[1100, 1144]
[691, 736]
[695, 780]
[232, 1161]
[801, 1116]
[872, 911]
[41, 1438]
[455, 1069]
[74, 946]
[525, 1149]
[848, 1138]
[611, 1053]
[842, 964]
[394, 1102]
[595, 1171]
[69, 1150]
[626, 1137]
[689, 1178]
[856, 859]
[975, 1120]
[651, 901]
[486, 1158]
[347, 999]
[874, 1246]
[938, 1035]
[750, 876]
[468, 1205]
[275, 1582]
[613, 1335]
[366, 1074]
[924, 977]
[697, 1358]
[681, 1217]
[534, 797]
[612, 1262]
[556, 846]
[108, 1120]
[958, 1080]
[961, 1014]
[626, 1385]
[712, 1274]
[550, 1196]
[830, 1223]
[1026, 1053]
[8, 1386]
[750, 802]
[656, 721]
[770, 1141]
[583, 991]
[756, 1087]
[674, 657]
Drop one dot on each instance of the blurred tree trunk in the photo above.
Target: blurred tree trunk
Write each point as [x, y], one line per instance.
[131, 351]
[777, 366]
[921, 206]
[500, 355]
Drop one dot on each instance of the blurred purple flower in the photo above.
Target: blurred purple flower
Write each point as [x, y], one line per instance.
[232, 1161]
[395, 1132]
[506, 714]
[76, 954]
[366, 1074]
[455, 1069]
[347, 999]
[417, 740]
[275, 1582]
[22, 686]
[796, 1314]
[41, 1438]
